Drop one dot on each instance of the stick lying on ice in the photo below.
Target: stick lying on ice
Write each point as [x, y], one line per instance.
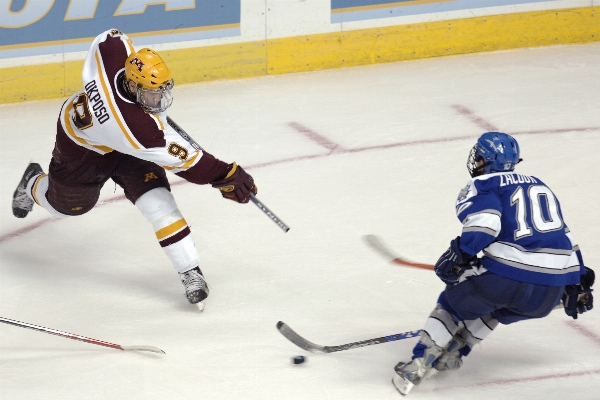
[81, 338]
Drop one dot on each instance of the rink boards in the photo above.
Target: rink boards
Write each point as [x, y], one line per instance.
[249, 39]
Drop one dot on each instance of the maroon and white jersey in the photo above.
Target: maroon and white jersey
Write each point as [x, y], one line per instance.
[101, 118]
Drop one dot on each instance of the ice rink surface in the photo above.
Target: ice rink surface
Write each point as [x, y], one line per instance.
[337, 154]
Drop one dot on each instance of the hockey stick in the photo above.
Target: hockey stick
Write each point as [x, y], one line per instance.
[376, 243]
[299, 341]
[81, 338]
[258, 203]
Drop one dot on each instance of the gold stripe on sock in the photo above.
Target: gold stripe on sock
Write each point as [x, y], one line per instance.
[171, 229]
[34, 188]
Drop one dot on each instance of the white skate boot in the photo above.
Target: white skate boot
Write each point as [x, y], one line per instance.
[452, 358]
[409, 374]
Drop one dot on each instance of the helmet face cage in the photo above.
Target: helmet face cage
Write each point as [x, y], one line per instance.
[155, 100]
[498, 151]
[474, 170]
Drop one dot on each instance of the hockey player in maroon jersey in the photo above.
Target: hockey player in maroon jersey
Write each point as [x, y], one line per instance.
[116, 128]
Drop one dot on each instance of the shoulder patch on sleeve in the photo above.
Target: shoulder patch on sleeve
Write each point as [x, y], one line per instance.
[467, 192]
[464, 192]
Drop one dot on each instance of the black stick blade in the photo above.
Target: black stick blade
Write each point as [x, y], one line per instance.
[298, 340]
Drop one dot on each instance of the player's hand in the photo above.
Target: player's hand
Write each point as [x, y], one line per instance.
[578, 299]
[452, 263]
[236, 185]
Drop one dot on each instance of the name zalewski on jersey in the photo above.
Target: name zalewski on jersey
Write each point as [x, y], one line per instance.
[517, 222]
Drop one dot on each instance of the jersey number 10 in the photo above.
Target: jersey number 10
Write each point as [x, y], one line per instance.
[537, 195]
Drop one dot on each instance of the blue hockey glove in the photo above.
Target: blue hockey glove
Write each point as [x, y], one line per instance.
[578, 299]
[452, 263]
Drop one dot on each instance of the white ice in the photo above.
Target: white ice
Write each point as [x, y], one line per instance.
[336, 154]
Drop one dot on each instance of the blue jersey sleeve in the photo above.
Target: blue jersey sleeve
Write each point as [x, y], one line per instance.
[479, 210]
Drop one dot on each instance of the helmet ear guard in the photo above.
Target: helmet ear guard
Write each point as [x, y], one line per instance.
[496, 151]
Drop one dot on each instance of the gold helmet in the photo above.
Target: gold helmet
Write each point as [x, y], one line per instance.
[153, 79]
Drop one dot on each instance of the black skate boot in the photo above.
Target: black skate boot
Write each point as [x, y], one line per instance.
[196, 288]
[22, 203]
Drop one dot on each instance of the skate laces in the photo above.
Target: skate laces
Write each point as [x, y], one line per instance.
[20, 198]
[193, 281]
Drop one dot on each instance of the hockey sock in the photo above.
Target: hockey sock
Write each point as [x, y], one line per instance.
[172, 232]
[474, 331]
[439, 329]
[36, 189]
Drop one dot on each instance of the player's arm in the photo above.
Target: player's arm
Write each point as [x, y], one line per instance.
[163, 146]
[480, 215]
[480, 212]
[578, 298]
[107, 52]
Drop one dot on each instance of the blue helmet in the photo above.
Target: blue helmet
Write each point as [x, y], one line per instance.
[498, 151]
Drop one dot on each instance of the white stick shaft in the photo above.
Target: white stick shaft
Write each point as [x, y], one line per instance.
[78, 337]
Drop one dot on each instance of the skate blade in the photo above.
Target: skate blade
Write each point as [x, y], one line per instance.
[402, 385]
[200, 306]
[430, 373]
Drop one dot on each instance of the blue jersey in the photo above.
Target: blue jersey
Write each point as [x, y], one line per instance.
[517, 222]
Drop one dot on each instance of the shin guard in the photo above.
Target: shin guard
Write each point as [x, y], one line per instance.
[172, 232]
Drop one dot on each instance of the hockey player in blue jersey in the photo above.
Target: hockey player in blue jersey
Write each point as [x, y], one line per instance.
[530, 262]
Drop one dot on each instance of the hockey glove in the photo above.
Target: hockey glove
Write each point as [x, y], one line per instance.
[578, 299]
[452, 263]
[237, 185]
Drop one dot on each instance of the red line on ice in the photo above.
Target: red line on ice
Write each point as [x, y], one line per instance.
[320, 139]
[518, 380]
[480, 122]
[323, 141]
[584, 330]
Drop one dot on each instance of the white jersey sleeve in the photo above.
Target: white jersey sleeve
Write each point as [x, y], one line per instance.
[102, 118]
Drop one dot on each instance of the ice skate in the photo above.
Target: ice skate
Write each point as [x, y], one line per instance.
[410, 374]
[452, 359]
[22, 204]
[196, 288]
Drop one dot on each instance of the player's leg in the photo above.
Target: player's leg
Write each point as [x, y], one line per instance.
[146, 186]
[470, 333]
[175, 238]
[446, 335]
[71, 187]
[435, 335]
[439, 347]
[510, 301]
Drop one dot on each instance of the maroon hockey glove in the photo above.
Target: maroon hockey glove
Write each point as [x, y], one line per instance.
[237, 185]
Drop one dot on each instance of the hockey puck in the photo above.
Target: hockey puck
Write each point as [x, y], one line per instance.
[298, 359]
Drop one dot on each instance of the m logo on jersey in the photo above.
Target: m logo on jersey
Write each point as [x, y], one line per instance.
[149, 176]
[138, 63]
